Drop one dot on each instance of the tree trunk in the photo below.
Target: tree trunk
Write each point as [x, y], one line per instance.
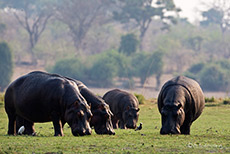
[158, 80]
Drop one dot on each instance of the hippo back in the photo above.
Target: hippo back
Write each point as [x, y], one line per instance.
[194, 90]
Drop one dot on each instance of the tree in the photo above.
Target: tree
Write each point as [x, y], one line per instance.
[218, 13]
[81, 15]
[6, 65]
[144, 65]
[142, 12]
[33, 17]
[128, 44]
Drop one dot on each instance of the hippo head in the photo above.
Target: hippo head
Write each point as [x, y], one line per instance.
[78, 117]
[130, 116]
[172, 117]
[101, 120]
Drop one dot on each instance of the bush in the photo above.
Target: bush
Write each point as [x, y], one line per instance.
[210, 100]
[70, 67]
[213, 78]
[140, 98]
[226, 101]
[128, 44]
[6, 65]
[102, 73]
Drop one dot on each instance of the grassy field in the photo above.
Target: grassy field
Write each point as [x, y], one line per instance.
[209, 134]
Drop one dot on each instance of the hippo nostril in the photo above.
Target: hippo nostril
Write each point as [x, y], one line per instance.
[88, 132]
[111, 133]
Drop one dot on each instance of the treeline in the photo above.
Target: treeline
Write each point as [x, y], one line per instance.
[103, 68]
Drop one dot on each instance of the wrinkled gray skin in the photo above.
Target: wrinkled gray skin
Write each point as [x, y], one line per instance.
[43, 97]
[101, 120]
[124, 107]
[180, 102]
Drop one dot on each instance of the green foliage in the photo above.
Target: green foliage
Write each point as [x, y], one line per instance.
[71, 67]
[128, 44]
[210, 100]
[6, 65]
[1, 98]
[212, 16]
[103, 72]
[226, 101]
[140, 98]
[146, 64]
[142, 11]
[100, 72]
[212, 76]
[107, 66]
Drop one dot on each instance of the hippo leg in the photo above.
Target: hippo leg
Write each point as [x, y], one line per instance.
[122, 124]
[185, 129]
[12, 123]
[29, 126]
[12, 120]
[63, 122]
[115, 122]
[57, 125]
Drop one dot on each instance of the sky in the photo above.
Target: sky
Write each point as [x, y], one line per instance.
[191, 8]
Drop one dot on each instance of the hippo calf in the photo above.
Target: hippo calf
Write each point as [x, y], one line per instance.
[124, 107]
[180, 102]
[43, 97]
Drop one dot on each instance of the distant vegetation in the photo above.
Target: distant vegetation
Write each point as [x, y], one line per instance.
[6, 65]
[212, 76]
[146, 41]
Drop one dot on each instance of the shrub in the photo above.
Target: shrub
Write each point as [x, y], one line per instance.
[213, 78]
[6, 65]
[128, 44]
[106, 67]
[226, 101]
[102, 73]
[70, 67]
[140, 98]
[212, 99]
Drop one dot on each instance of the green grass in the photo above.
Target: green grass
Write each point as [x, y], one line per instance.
[209, 134]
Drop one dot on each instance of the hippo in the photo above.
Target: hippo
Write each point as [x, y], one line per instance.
[101, 120]
[180, 102]
[43, 97]
[124, 106]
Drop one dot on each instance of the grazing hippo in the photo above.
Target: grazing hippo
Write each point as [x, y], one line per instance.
[124, 107]
[180, 102]
[43, 97]
[101, 120]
